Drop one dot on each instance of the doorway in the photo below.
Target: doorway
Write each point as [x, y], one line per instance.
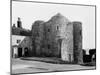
[59, 47]
[26, 51]
[19, 52]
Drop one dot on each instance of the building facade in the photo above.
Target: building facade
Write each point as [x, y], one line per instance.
[58, 37]
[21, 45]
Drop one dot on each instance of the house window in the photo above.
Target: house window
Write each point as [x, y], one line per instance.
[48, 46]
[48, 30]
[18, 41]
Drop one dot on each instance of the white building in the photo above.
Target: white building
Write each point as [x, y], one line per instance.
[21, 41]
[16, 41]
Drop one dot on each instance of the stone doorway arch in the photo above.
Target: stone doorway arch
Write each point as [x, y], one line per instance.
[26, 52]
[59, 47]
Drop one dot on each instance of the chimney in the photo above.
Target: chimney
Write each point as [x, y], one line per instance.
[19, 23]
[14, 25]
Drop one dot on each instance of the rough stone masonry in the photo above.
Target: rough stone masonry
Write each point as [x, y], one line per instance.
[58, 37]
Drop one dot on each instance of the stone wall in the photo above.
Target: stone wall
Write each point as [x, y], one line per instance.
[67, 44]
[55, 31]
[58, 37]
[77, 32]
[26, 43]
[37, 37]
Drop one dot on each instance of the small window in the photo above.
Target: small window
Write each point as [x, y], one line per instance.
[18, 41]
[80, 32]
[48, 30]
[57, 27]
[48, 46]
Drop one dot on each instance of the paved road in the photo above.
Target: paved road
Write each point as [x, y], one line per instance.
[25, 66]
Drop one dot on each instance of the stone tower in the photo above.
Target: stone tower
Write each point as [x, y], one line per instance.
[60, 37]
[77, 34]
[37, 37]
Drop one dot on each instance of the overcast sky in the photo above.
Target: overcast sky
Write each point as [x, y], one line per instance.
[30, 12]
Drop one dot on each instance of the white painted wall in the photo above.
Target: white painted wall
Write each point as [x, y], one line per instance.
[15, 51]
[15, 38]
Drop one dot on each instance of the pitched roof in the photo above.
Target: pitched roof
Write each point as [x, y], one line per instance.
[20, 31]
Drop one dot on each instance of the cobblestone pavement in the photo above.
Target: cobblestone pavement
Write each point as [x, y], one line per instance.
[26, 66]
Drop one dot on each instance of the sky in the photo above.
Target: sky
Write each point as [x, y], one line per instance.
[29, 12]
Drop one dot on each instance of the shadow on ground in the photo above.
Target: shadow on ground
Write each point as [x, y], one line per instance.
[54, 60]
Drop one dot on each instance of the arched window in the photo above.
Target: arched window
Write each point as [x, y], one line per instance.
[57, 27]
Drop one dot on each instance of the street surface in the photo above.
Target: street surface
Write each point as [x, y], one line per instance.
[27, 66]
